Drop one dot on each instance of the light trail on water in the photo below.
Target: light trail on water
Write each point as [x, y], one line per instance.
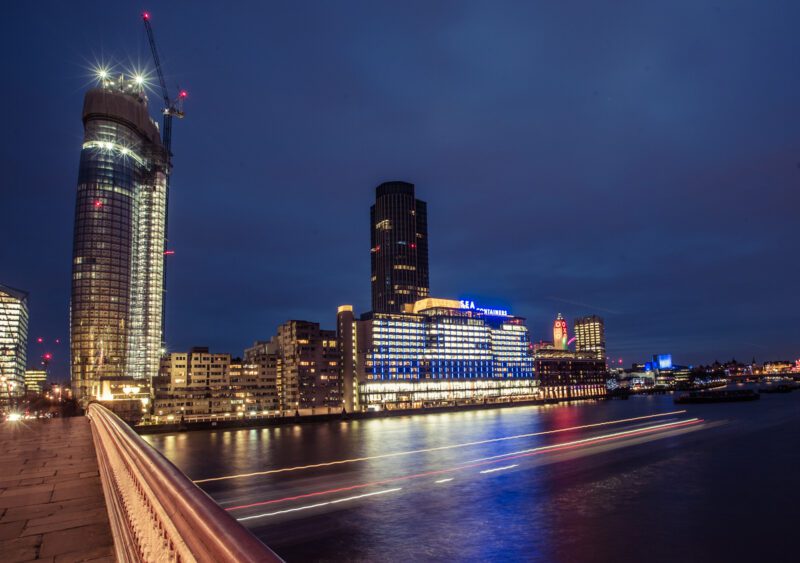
[500, 468]
[487, 461]
[436, 449]
[310, 506]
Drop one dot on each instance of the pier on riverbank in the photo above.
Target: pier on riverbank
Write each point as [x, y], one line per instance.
[215, 422]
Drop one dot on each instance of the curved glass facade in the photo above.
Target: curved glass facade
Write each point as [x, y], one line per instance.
[118, 247]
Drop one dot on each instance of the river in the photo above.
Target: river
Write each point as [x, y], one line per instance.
[635, 480]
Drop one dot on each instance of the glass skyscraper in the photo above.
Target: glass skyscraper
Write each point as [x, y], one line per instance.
[399, 248]
[119, 240]
[13, 342]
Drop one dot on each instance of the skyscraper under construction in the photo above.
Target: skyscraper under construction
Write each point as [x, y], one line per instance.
[116, 308]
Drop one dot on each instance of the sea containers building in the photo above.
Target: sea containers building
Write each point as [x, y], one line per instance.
[119, 241]
[438, 352]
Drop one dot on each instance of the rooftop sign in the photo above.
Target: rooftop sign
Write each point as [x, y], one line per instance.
[468, 304]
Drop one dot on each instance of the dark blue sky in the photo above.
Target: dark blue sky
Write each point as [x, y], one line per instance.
[638, 160]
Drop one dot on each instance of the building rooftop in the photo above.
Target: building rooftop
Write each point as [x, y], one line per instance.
[16, 293]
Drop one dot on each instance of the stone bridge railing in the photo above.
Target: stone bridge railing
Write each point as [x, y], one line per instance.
[156, 512]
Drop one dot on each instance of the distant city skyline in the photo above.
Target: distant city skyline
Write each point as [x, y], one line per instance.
[582, 164]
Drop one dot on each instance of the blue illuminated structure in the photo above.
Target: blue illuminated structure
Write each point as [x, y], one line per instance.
[663, 361]
[446, 339]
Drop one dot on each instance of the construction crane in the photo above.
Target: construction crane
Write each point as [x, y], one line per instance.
[172, 108]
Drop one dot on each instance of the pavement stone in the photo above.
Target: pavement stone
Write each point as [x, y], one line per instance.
[52, 506]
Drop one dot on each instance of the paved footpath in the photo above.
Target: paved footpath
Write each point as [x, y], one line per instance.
[51, 501]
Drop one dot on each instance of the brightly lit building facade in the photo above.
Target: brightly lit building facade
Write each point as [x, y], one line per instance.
[565, 373]
[35, 380]
[13, 343]
[439, 352]
[119, 240]
[590, 336]
[560, 335]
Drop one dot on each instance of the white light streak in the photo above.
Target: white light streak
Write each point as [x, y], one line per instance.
[444, 480]
[440, 448]
[310, 506]
[500, 468]
[586, 440]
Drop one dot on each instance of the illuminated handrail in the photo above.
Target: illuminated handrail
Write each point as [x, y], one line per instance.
[156, 512]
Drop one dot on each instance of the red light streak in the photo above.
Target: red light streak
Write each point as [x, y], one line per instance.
[478, 463]
[439, 448]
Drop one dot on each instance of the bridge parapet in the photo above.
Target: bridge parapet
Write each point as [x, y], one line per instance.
[156, 512]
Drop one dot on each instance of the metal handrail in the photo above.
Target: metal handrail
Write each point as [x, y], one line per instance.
[156, 512]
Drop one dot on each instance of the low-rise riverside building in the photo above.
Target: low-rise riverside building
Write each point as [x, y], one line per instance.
[303, 359]
[438, 352]
[566, 374]
[192, 383]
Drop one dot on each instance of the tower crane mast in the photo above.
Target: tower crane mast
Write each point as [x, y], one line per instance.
[172, 108]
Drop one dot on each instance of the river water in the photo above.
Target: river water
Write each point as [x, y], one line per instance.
[625, 480]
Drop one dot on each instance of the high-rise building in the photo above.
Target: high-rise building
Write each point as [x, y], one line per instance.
[119, 241]
[399, 248]
[560, 333]
[590, 336]
[13, 342]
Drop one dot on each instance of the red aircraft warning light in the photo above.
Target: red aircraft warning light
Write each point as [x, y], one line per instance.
[146, 15]
[183, 94]
[98, 204]
[169, 252]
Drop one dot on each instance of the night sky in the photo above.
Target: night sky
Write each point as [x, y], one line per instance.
[635, 160]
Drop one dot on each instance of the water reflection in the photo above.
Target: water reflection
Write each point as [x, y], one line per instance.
[644, 497]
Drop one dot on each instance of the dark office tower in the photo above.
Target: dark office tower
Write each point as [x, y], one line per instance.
[399, 239]
[118, 248]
